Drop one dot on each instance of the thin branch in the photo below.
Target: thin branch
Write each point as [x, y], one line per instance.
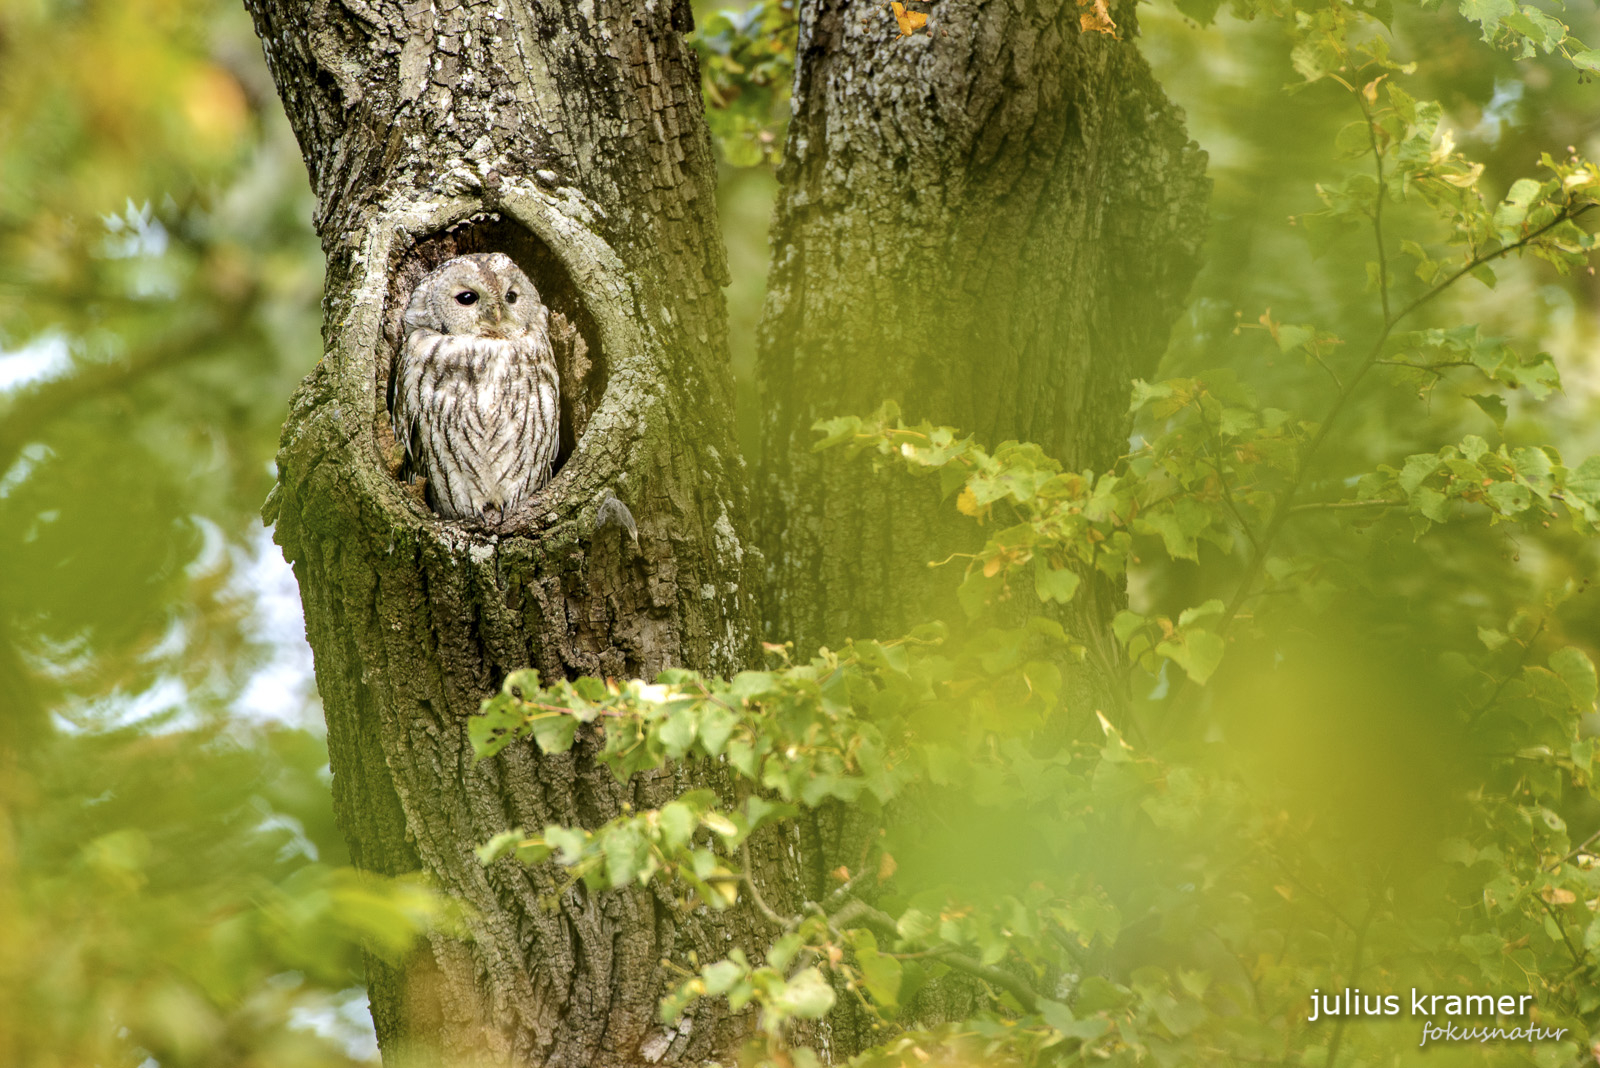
[1222, 479]
[1075, 951]
[1377, 213]
[1315, 355]
[1433, 368]
[1328, 506]
[30, 411]
[1581, 846]
[772, 914]
[1026, 996]
[1579, 959]
[1355, 980]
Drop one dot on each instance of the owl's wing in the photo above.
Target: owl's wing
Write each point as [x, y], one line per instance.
[403, 409]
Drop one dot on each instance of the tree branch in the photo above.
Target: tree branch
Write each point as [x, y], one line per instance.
[31, 410]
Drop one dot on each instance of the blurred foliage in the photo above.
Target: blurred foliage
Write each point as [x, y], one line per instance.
[158, 284]
[172, 888]
[746, 69]
[175, 898]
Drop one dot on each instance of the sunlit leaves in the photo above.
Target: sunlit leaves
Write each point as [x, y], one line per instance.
[1427, 355]
[674, 842]
[1189, 643]
[1523, 483]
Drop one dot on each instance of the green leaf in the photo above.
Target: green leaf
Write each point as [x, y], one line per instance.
[1588, 60]
[1511, 213]
[1206, 610]
[627, 854]
[1417, 468]
[1056, 1015]
[1053, 584]
[782, 952]
[1577, 671]
[1432, 503]
[678, 823]
[495, 727]
[1203, 12]
[1584, 483]
[498, 846]
[1127, 623]
[835, 431]
[807, 996]
[1487, 13]
[716, 727]
[1539, 28]
[750, 684]
[880, 974]
[1198, 652]
[554, 732]
[721, 976]
[677, 733]
[915, 925]
[1509, 498]
[570, 843]
[1494, 407]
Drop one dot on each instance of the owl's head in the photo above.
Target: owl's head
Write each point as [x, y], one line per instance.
[484, 294]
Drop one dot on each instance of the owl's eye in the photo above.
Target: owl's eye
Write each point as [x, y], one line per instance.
[511, 296]
[467, 297]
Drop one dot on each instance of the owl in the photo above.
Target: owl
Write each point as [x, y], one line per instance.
[475, 396]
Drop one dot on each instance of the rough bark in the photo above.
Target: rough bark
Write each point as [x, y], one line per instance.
[571, 136]
[994, 223]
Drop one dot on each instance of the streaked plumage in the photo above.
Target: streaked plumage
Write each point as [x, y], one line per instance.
[476, 400]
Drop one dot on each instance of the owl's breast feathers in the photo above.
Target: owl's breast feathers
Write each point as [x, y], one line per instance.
[479, 417]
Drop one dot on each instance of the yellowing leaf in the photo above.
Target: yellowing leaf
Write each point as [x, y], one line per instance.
[910, 21]
[1097, 19]
[886, 867]
[967, 503]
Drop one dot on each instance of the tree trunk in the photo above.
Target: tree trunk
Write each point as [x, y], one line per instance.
[992, 222]
[571, 136]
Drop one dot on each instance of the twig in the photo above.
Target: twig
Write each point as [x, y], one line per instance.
[1581, 846]
[1285, 506]
[1222, 480]
[1355, 974]
[1026, 996]
[1319, 506]
[1377, 217]
[767, 910]
[1579, 960]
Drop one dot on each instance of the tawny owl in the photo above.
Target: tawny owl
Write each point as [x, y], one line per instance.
[475, 394]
